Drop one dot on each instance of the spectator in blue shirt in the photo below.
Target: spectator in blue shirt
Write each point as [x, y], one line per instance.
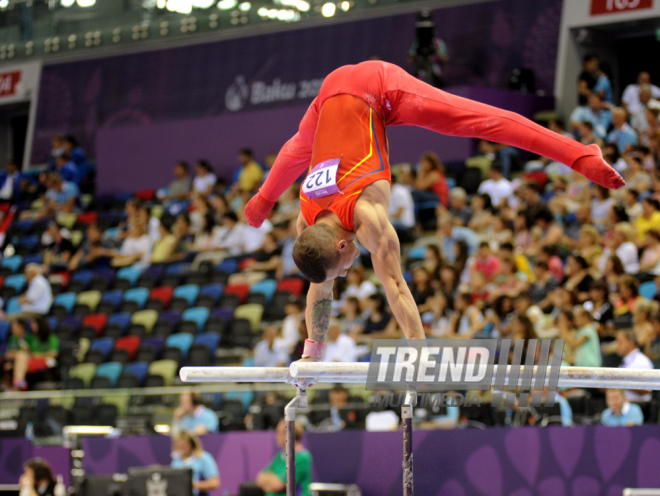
[593, 112]
[10, 182]
[623, 135]
[76, 155]
[67, 169]
[450, 234]
[189, 453]
[193, 416]
[620, 412]
[603, 85]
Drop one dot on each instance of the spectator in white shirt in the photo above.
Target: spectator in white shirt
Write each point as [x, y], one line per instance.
[135, 248]
[295, 313]
[231, 236]
[497, 187]
[402, 207]
[632, 358]
[622, 244]
[339, 347]
[204, 178]
[271, 351]
[358, 285]
[38, 298]
[638, 119]
[630, 99]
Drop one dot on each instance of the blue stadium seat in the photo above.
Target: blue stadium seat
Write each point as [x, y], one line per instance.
[5, 328]
[35, 258]
[138, 369]
[208, 339]
[13, 306]
[16, 281]
[120, 319]
[187, 291]
[66, 300]
[104, 345]
[224, 313]
[156, 342]
[183, 341]
[71, 321]
[84, 276]
[199, 315]
[173, 316]
[53, 322]
[407, 276]
[138, 295]
[176, 268]
[114, 296]
[131, 274]
[214, 289]
[646, 290]
[31, 242]
[111, 370]
[13, 263]
[267, 287]
[229, 266]
[418, 252]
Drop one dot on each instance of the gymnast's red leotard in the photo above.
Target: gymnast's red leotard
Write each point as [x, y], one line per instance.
[392, 97]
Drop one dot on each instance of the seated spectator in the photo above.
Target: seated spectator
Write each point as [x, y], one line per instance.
[135, 248]
[421, 287]
[510, 281]
[449, 236]
[402, 210]
[377, 324]
[37, 479]
[632, 204]
[231, 236]
[206, 234]
[38, 297]
[584, 341]
[204, 179]
[430, 183]
[577, 277]
[486, 263]
[600, 206]
[179, 188]
[10, 182]
[632, 358]
[650, 218]
[650, 128]
[643, 326]
[612, 273]
[636, 176]
[164, 248]
[289, 266]
[295, 313]
[272, 479]
[67, 169]
[458, 207]
[189, 453]
[599, 306]
[200, 208]
[594, 112]
[631, 94]
[543, 284]
[482, 212]
[628, 295]
[546, 232]
[272, 350]
[620, 412]
[250, 173]
[603, 87]
[59, 251]
[437, 319]
[522, 304]
[646, 102]
[587, 135]
[192, 416]
[61, 197]
[497, 186]
[288, 205]
[649, 264]
[339, 347]
[358, 285]
[467, 319]
[76, 155]
[621, 244]
[32, 348]
[267, 261]
[351, 317]
[95, 251]
[623, 135]
[548, 254]
[521, 328]
[558, 126]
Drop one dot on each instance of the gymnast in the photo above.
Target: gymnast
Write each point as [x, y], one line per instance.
[342, 144]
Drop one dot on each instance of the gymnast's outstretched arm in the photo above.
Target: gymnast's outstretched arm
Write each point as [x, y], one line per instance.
[292, 160]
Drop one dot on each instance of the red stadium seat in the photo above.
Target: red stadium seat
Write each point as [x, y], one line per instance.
[128, 343]
[240, 290]
[293, 285]
[163, 293]
[95, 320]
[88, 217]
[146, 195]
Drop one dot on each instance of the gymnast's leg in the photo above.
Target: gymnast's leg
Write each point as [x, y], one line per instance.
[415, 103]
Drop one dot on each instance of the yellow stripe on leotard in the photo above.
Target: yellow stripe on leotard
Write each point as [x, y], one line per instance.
[371, 148]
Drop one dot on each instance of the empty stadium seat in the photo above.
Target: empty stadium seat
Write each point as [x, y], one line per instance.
[252, 312]
[229, 266]
[137, 295]
[12, 263]
[110, 301]
[68, 325]
[238, 334]
[83, 278]
[216, 325]
[130, 344]
[240, 290]
[83, 371]
[117, 324]
[182, 341]
[162, 294]
[267, 287]
[137, 369]
[199, 355]
[13, 306]
[147, 318]
[106, 414]
[198, 315]
[130, 274]
[89, 298]
[188, 292]
[154, 342]
[293, 285]
[166, 369]
[258, 298]
[120, 356]
[63, 304]
[5, 328]
[111, 370]
[96, 321]
[104, 345]
[275, 310]
[15, 281]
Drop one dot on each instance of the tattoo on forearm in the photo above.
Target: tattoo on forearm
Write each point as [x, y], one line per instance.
[321, 319]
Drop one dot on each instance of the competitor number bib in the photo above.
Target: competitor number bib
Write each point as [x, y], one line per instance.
[322, 180]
